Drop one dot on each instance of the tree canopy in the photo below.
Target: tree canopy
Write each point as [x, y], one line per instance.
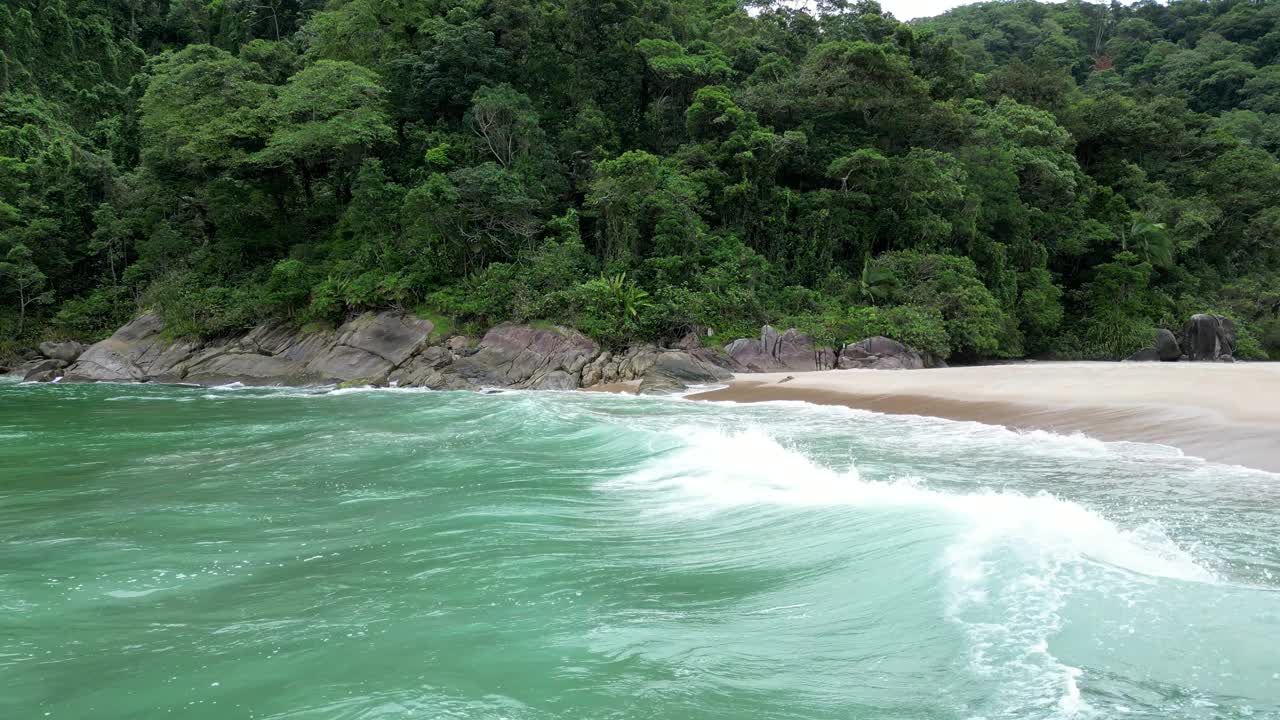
[1007, 179]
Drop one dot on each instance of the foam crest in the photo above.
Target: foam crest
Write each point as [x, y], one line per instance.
[715, 469]
[1009, 562]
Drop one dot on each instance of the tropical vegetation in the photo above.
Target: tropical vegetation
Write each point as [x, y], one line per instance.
[1009, 179]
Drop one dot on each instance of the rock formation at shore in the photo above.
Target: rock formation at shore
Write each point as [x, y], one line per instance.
[385, 349]
[1205, 338]
[399, 350]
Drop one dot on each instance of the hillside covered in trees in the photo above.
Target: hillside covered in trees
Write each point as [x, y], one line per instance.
[1010, 179]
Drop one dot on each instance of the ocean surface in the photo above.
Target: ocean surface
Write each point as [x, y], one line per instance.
[285, 554]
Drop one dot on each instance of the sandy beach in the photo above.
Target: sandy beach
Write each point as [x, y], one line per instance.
[1227, 413]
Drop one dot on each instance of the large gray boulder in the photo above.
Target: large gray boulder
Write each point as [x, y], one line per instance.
[129, 355]
[68, 351]
[273, 353]
[1145, 355]
[658, 370]
[367, 348]
[1209, 338]
[370, 347]
[43, 370]
[790, 350]
[522, 356]
[1167, 347]
[880, 353]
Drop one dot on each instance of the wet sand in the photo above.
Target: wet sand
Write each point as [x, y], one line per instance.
[1220, 412]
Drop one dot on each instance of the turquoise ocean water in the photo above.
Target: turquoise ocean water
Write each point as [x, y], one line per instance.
[288, 554]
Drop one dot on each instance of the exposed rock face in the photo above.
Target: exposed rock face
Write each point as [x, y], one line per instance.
[1167, 346]
[132, 354]
[366, 348]
[791, 350]
[43, 370]
[880, 353]
[370, 347]
[1209, 338]
[394, 349]
[67, 351]
[521, 356]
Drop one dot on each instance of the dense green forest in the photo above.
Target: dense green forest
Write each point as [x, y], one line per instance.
[1010, 179]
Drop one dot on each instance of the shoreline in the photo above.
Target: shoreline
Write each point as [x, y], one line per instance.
[1223, 413]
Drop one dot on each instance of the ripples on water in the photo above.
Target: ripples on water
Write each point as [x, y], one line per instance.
[306, 554]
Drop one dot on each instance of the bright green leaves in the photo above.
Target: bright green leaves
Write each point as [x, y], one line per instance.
[203, 111]
[643, 205]
[330, 109]
[23, 280]
[679, 70]
[950, 285]
[505, 121]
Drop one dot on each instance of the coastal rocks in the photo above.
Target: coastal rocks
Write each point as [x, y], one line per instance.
[42, 370]
[1209, 338]
[521, 356]
[791, 350]
[657, 369]
[366, 348]
[1167, 347]
[390, 348]
[129, 355]
[880, 353]
[370, 347]
[1145, 355]
[67, 351]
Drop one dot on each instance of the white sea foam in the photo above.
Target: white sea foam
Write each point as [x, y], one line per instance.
[716, 469]
[1011, 566]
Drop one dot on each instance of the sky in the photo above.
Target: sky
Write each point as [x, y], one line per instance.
[910, 9]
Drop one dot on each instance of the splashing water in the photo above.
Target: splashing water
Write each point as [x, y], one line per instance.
[250, 553]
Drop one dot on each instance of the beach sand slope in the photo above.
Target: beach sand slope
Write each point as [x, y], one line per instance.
[1228, 413]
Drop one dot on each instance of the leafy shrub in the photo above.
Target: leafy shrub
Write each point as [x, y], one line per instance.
[608, 308]
[94, 316]
[949, 286]
[920, 328]
[190, 309]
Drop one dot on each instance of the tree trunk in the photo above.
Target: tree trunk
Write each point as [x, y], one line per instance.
[306, 183]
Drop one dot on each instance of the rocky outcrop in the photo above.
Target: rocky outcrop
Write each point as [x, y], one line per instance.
[657, 369]
[132, 354]
[368, 347]
[521, 356]
[67, 351]
[880, 353]
[1167, 347]
[1209, 338]
[1144, 355]
[388, 348]
[46, 370]
[791, 350]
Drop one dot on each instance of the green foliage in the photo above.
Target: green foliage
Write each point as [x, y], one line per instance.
[193, 310]
[94, 316]
[1006, 179]
[921, 328]
[1120, 310]
[918, 327]
[203, 111]
[949, 285]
